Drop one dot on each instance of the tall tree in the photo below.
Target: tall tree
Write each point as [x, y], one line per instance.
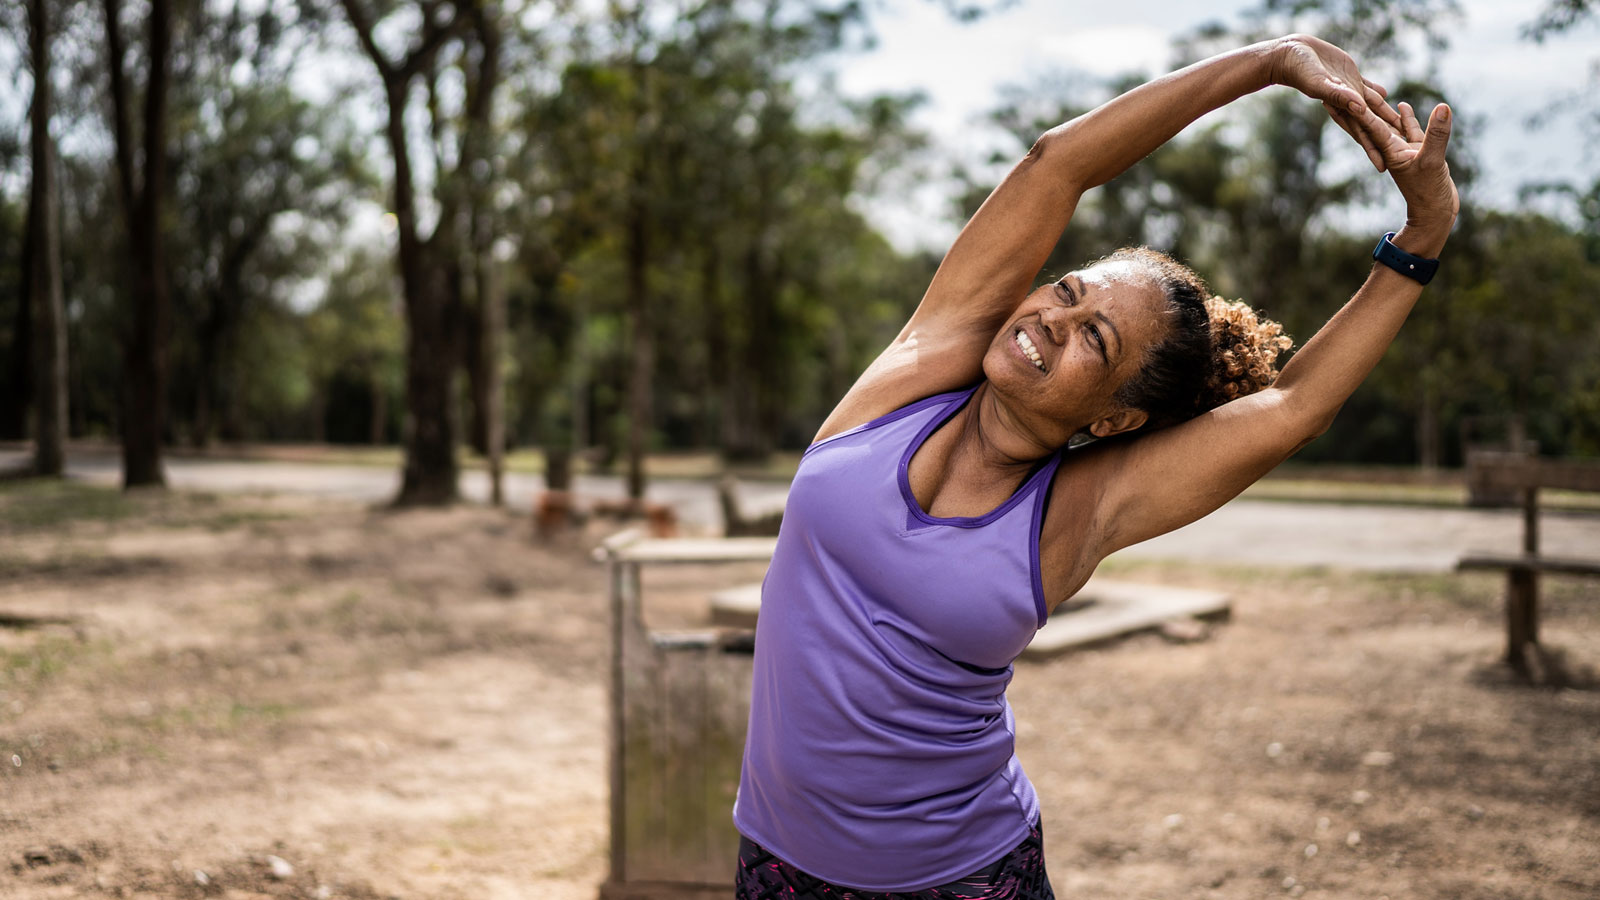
[141, 188]
[428, 265]
[44, 262]
[479, 175]
[16, 308]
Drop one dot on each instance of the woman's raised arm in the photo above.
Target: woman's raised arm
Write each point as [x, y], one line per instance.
[994, 260]
[1162, 481]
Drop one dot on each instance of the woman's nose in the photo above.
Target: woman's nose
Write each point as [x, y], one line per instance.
[1056, 320]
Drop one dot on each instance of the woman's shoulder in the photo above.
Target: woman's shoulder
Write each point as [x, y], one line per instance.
[898, 379]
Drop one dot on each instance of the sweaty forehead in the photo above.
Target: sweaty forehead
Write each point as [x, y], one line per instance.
[1123, 283]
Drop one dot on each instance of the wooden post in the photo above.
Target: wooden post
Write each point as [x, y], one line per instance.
[624, 581]
[1522, 620]
[1530, 520]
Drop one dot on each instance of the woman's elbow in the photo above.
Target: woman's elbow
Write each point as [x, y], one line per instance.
[1302, 419]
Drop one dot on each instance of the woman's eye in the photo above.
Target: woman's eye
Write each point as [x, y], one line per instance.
[1065, 293]
[1098, 340]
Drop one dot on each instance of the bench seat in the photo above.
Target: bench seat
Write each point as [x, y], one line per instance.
[1524, 562]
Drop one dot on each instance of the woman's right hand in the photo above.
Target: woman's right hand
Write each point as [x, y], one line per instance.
[1419, 169]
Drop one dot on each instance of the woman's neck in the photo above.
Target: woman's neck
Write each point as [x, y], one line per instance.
[992, 437]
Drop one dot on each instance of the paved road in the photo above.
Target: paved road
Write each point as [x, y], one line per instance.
[1248, 532]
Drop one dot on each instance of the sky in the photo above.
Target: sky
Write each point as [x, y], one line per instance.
[1495, 79]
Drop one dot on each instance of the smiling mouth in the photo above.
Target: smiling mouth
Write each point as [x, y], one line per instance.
[1025, 343]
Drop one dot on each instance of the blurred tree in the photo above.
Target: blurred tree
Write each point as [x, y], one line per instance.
[678, 142]
[43, 255]
[430, 268]
[1559, 16]
[479, 176]
[141, 188]
[16, 313]
[355, 350]
[251, 158]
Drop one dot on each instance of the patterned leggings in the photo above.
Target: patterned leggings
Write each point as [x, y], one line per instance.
[1019, 875]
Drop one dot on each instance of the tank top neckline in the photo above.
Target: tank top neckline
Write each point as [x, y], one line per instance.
[959, 399]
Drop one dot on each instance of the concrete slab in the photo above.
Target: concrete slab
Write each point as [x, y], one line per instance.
[1104, 609]
[736, 606]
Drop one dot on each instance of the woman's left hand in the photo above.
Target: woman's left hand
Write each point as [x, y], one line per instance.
[1357, 104]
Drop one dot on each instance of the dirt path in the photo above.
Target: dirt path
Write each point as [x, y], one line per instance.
[395, 705]
[412, 705]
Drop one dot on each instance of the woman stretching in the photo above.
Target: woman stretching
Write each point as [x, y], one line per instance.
[938, 517]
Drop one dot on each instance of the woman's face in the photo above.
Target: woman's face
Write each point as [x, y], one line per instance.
[1057, 364]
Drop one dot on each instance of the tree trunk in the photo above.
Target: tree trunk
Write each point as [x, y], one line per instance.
[1428, 429]
[491, 318]
[642, 343]
[319, 414]
[144, 362]
[15, 405]
[714, 328]
[429, 477]
[754, 386]
[44, 265]
[429, 474]
[478, 170]
[427, 276]
[378, 427]
[472, 362]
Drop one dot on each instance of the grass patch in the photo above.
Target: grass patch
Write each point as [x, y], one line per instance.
[31, 667]
[80, 564]
[219, 716]
[43, 506]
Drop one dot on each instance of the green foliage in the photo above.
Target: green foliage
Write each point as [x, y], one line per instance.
[691, 144]
[687, 137]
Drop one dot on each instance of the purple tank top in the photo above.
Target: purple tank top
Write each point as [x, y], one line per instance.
[881, 749]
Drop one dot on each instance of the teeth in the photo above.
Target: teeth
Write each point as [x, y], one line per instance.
[1026, 343]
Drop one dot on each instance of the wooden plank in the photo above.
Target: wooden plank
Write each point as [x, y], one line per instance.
[1113, 608]
[1569, 474]
[696, 550]
[1509, 470]
[1513, 562]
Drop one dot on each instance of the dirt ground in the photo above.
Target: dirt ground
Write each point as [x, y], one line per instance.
[295, 697]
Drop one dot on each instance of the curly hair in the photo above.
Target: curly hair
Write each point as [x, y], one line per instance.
[1215, 351]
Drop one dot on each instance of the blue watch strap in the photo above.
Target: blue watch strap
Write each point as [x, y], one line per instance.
[1418, 268]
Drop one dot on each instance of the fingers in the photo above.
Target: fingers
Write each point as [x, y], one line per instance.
[1437, 136]
[1375, 98]
[1344, 120]
[1341, 95]
[1410, 129]
[1384, 136]
[1378, 88]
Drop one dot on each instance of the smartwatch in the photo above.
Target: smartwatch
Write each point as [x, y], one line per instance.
[1418, 268]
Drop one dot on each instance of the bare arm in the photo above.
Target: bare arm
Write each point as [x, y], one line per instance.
[994, 260]
[1165, 480]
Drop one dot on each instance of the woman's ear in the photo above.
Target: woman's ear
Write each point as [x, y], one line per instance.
[1118, 422]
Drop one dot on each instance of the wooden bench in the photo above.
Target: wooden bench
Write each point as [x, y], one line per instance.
[1525, 474]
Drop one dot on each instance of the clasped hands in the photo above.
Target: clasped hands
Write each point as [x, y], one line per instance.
[1393, 138]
